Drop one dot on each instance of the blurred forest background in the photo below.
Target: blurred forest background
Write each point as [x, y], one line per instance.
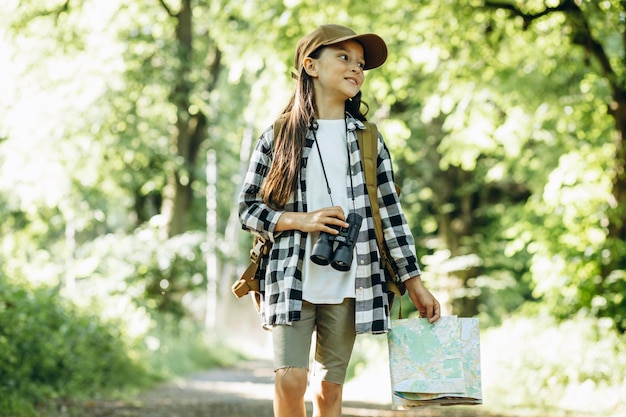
[125, 128]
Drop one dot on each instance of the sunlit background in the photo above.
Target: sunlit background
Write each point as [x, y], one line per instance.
[125, 128]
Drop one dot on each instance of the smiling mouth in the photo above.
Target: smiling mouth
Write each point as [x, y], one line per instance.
[352, 80]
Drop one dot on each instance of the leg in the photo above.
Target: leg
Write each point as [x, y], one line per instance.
[292, 345]
[327, 399]
[289, 389]
[335, 339]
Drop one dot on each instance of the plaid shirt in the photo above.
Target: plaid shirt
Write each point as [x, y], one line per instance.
[281, 273]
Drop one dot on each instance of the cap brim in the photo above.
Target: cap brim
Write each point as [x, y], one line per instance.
[374, 48]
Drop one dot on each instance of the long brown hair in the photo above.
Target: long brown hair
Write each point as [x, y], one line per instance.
[282, 179]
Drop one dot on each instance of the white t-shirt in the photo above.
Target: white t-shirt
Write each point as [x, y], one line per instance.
[324, 284]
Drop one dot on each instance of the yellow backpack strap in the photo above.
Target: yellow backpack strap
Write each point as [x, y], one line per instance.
[278, 125]
[368, 147]
[247, 282]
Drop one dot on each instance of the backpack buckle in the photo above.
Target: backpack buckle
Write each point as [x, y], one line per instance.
[257, 249]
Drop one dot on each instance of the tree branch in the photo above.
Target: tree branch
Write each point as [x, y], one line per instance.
[593, 47]
[168, 9]
[215, 69]
[581, 31]
[54, 12]
[529, 18]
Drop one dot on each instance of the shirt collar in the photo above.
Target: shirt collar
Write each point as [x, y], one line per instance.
[353, 123]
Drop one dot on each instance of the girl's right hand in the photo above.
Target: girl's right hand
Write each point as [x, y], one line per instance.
[316, 221]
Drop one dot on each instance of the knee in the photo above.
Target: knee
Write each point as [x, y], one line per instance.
[329, 393]
[291, 382]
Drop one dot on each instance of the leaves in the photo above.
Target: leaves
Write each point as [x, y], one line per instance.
[51, 349]
[500, 128]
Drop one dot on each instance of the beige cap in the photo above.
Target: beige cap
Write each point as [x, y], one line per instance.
[374, 48]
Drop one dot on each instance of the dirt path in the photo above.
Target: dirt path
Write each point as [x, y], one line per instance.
[245, 391]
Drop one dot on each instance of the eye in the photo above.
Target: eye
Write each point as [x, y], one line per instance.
[343, 56]
[362, 65]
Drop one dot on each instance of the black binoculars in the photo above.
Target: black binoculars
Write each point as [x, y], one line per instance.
[340, 258]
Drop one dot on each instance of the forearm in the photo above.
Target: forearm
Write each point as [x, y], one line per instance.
[323, 220]
[414, 283]
[289, 220]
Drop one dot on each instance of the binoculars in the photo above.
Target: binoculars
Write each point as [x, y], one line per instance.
[337, 250]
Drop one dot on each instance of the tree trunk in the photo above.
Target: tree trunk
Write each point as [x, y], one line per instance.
[614, 266]
[456, 227]
[189, 134]
[617, 213]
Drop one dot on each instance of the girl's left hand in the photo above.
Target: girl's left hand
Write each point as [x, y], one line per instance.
[424, 301]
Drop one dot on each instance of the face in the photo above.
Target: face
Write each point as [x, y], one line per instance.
[338, 72]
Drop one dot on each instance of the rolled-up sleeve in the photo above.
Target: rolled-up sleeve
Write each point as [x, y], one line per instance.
[256, 216]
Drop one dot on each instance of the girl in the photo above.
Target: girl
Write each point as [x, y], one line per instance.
[300, 189]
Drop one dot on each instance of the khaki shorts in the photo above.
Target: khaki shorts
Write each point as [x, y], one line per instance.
[335, 335]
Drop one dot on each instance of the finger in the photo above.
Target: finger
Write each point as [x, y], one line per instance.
[436, 313]
[336, 222]
[429, 310]
[421, 309]
[330, 230]
[337, 211]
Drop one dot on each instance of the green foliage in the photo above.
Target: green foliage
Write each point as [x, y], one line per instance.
[49, 349]
[142, 271]
[482, 164]
[501, 132]
[478, 121]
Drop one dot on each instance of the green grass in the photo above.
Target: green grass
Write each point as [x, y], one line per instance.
[174, 349]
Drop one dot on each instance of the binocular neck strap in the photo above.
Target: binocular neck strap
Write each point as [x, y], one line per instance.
[313, 127]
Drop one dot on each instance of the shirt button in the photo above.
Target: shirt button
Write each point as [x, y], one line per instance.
[362, 261]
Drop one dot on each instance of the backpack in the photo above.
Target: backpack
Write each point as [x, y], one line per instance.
[367, 140]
